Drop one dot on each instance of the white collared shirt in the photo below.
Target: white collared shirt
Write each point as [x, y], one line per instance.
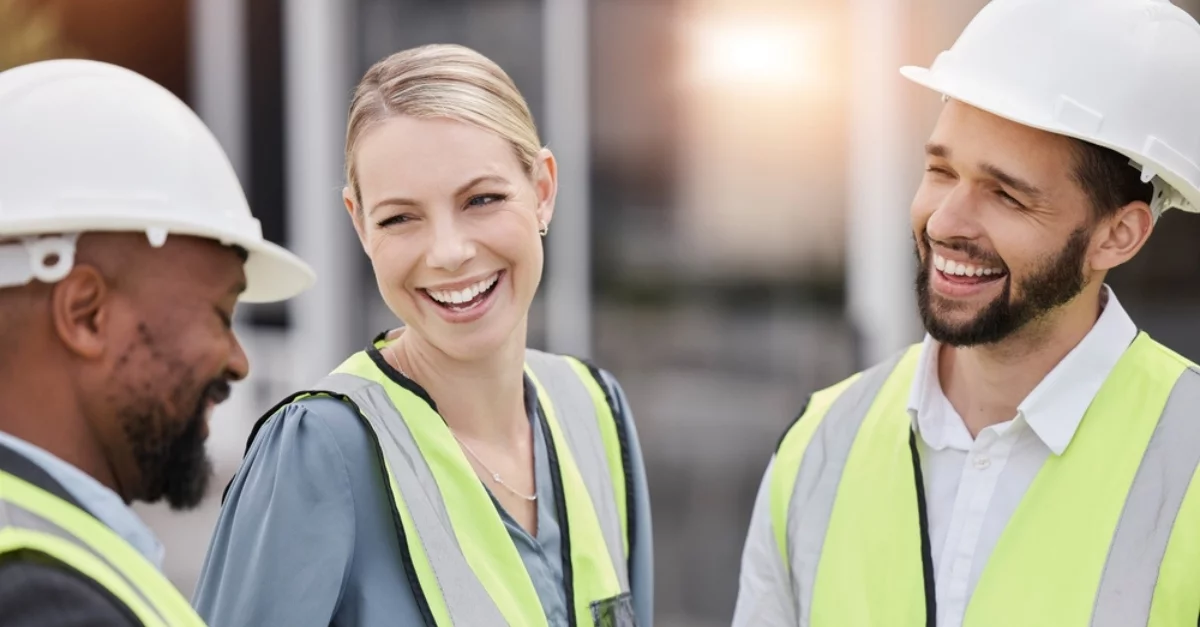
[972, 487]
[94, 496]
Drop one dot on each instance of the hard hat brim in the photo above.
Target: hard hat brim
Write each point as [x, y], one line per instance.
[931, 79]
[274, 274]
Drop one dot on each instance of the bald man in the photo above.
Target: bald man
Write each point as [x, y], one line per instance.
[107, 380]
[125, 244]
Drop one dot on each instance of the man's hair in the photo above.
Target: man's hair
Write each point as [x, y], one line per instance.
[1108, 178]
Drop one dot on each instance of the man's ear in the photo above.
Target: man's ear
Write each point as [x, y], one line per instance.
[80, 305]
[1121, 236]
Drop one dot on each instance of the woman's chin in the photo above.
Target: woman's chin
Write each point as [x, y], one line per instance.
[480, 341]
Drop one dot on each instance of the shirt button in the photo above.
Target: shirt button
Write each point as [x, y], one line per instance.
[982, 462]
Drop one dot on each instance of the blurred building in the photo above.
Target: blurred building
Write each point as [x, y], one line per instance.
[746, 168]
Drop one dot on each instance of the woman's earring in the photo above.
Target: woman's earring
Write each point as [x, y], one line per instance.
[544, 228]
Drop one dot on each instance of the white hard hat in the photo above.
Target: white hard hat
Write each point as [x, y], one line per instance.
[1122, 74]
[88, 146]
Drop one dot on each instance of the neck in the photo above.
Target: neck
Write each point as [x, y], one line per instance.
[480, 399]
[38, 405]
[986, 384]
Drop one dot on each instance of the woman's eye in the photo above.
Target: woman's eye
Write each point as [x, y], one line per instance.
[485, 199]
[398, 219]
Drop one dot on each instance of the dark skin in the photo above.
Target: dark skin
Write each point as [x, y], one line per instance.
[115, 368]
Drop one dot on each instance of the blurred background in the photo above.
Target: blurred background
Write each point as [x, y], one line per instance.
[732, 231]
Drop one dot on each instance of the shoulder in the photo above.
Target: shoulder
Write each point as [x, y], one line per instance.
[1167, 354]
[290, 511]
[319, 444]
[42, 592]
[318, 424]
[819, 401]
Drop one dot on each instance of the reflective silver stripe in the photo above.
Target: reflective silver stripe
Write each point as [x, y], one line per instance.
[13, 515]
[467, 601]
[817, 481]
[576, 413]
[1140, 542]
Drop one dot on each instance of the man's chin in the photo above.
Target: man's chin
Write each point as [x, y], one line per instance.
[189, 470]
[956, 326]
[956, 339]
[957, 316]
[191, 492]
[978, 331]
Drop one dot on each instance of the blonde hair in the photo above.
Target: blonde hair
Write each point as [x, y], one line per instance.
[441, 80]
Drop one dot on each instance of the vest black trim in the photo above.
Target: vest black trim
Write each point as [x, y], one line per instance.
[31, 558]
[621, 421]
[926, 544]
[793, 422]
[397, 378]
[564, 523]
[23, 468]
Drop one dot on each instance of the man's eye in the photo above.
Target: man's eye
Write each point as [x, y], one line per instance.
[1007, 198]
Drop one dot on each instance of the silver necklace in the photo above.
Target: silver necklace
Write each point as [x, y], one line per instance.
[495, 475]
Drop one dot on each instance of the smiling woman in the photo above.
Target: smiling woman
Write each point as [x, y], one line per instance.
[461, 213]
[446, 451]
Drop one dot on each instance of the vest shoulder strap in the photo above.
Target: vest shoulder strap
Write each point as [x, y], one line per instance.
[39, 517]
[844, 405]
[34, 524]
[433, 553]
[598, 435]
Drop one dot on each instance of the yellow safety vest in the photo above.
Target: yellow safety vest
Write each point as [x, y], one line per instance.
[1107, 535]
[463, 565]
[38, 517]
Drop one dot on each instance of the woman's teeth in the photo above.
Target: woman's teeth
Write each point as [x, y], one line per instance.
[465, 295]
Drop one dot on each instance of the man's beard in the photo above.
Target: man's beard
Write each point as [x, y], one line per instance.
[1053, 283]
[170, 454]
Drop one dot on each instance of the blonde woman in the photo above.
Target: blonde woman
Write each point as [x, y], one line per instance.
[446, 475]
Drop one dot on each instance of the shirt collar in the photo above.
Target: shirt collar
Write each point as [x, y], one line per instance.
[1054, 409]
[96, 498]
[931, 413]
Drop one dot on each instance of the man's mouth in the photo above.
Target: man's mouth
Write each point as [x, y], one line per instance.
[961, 272]
[217, 393]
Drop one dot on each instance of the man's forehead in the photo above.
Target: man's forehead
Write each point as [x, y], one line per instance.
[193, 262]
[964, 127]
[227, 262]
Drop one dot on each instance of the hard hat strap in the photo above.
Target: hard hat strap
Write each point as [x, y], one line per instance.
[1167, 197]
[47, 259]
